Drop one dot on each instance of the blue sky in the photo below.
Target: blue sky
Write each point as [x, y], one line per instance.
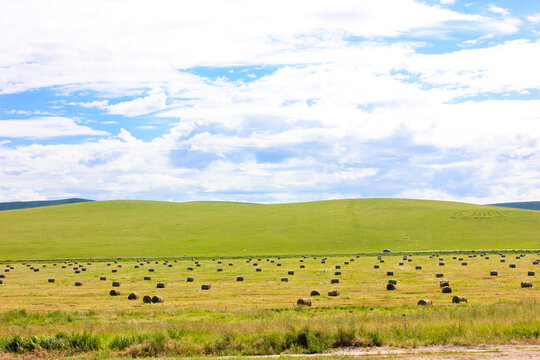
[270, 101]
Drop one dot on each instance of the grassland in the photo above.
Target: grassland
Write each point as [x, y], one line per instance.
[144, 228]
[259, 315]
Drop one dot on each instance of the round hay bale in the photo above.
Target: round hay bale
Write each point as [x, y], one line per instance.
[444, 283]
[189, 279]
[441, 264]
[220, 269]
[389, 273]
[133, 296]
[376, 266]
[302, 266]
[334, 281]
[50, 280]
[381, 260]
[401, 264]
[333, 293]
[205, 287]
[102, 278]
[390, 286]
[258, 269]
[531, 273]
[418, 267]
[493, 273]
[337, 273]
[239, 278]
[338, 266]
[78, 283]
[409, 260]
[487, 257]
[136, 266]
[512, 266]
[278, 264]
[459, 299]
[425, 302]
[2, 276]
[447, 290]
[503, 260]
[392, 281]
[147, 299]
[290, 272]
[303, 302]
[151, 270]
[116, 283]
[463, 264]
[114, 270]
[36, 269]
[157, 299]
[147, 278]
[315, 293]
[1, 282]
[526, 284]
[284, 279]
[114, 292]
[190, 269]
[160, 285]
[439, 275]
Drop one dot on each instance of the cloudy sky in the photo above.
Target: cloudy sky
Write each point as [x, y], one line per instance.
[270, 101]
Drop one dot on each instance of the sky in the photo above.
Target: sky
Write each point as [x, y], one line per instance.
[270, 101]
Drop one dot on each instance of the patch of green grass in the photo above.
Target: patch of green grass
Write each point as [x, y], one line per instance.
[147, 228]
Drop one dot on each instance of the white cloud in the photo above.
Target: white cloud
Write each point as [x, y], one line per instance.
[139, 106]
[498, 10]
[534, 18]
[45, 127]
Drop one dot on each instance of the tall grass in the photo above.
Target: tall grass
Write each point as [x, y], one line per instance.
[292, 331]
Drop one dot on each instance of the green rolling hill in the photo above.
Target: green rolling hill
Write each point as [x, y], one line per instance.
[148, 228]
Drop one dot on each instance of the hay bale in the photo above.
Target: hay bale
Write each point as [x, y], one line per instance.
[463, 264]
[114, 270]
[133, 296]
[2, 276]
[337, 273]
[147, 299]
[290, 272]
[102, 278]
[493, 273]
[401, 264]
[278, 264]
[425, 302]
[531, 273]
[418, 267]
[333, 293]
[334, 281]
[151, 270]
[503, 260]
[205, 286]
[284, 279]
[1, 282]
[116, 283]
[147, 278]
[157, 299]
[50, 280]
[78, 283]
[439, 275]
[114, 292]
[190, 269]
[258, 269]
[389, 273]
[160, 285]
[315, 293]
[338, 266]
[444, 283]
[189, 279]
[36, 269]
[302, 266]
[459, 299]
[390, 286]
[441, 264]
[376, 266]
[512, 266]
[303, 302]
[447, 290]
[239, 278]
[392, 281]
[526, 284]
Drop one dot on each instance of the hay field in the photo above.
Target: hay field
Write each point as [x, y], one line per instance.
[259, 315]
[147, 228]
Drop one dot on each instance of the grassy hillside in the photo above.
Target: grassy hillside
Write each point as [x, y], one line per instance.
[144, 228]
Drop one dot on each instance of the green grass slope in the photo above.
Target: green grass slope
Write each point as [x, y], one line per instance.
[147, 228]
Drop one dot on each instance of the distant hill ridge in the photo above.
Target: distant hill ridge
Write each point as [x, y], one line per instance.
[14, 205]
[154, 229]
[526, 205]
